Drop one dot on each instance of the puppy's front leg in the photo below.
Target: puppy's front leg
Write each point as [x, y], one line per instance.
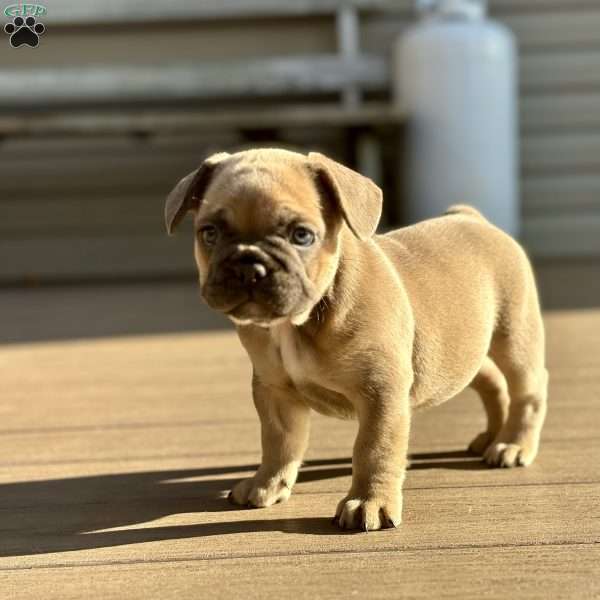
[284, 433]
[378, 464]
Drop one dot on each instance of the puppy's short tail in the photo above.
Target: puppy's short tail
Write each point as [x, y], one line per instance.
[464, 209]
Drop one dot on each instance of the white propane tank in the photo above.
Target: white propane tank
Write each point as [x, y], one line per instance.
[456, 78]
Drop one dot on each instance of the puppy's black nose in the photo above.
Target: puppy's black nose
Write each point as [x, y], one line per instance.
[250, 272]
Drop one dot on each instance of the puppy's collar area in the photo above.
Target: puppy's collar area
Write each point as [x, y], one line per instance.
[301, 318]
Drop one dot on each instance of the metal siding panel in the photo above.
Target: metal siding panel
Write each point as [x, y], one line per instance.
[560, 71]
[574, 153]
[560, 194]
[564, 112]
[551, 30]
[562, 235]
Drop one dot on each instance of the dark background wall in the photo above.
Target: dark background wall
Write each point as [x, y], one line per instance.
[93, 207]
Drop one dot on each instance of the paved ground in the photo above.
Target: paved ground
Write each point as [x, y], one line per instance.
[115, 452]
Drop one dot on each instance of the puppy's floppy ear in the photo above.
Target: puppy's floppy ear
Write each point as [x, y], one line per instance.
[187, 194]
[358, 198]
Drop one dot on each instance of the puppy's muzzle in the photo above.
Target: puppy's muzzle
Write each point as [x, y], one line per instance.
[249, 269]
[242, 273]
[258, 282]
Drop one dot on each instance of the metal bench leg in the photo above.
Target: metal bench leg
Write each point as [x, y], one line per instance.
[369, 156]
[347, 26]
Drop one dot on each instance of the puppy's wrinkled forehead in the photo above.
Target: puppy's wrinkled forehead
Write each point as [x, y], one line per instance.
[256, 196]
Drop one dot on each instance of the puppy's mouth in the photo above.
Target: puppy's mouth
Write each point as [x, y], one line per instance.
[255, 309]
[249, 312]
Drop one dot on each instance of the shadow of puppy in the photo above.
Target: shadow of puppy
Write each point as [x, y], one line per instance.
[61, 515]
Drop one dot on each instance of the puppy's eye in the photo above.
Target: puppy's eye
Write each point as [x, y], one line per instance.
[209, 234]
[302, 236]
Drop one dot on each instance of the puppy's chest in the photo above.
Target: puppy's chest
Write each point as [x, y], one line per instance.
[296, 360]
[301, 364]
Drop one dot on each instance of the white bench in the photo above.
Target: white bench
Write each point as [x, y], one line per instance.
[348, 71]
[106, 99]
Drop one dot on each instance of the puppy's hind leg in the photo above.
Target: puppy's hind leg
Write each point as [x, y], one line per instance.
[520, 356]
[491, 386]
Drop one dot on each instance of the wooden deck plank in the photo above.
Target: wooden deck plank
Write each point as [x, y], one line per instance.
[552, 571]
[89, 377]
[115, 455]
[452, 429]
[101, 406]
[151, 529]
[327, 470]
[231, 403]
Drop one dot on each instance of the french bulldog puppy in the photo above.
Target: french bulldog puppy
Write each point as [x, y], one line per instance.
[352, 324]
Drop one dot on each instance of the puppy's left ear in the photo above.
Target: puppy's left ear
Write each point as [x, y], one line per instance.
[187, 194]
[357, 197]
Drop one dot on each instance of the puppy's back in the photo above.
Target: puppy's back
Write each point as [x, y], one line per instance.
[458, 243]
[462, 276]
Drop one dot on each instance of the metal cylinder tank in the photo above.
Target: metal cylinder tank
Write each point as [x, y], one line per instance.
[456, 78]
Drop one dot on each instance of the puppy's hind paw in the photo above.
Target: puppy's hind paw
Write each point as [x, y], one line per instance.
[250, 493]
[508, 455]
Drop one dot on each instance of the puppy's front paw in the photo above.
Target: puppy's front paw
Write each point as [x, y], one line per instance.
[508, 455]
[368, 514]
[254, 494]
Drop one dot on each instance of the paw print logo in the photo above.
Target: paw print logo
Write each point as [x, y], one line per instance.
[24, 32]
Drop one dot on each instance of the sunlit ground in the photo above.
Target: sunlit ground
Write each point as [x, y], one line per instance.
[124, 421]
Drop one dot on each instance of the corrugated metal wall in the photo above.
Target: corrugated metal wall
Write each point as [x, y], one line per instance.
[73, 208]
